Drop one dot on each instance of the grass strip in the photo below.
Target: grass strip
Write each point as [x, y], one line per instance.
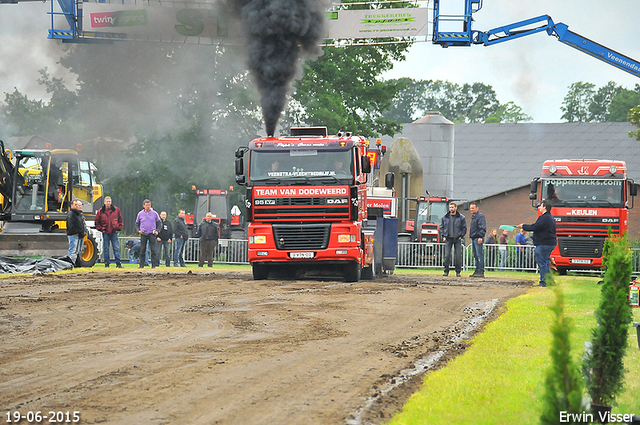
[500, 378]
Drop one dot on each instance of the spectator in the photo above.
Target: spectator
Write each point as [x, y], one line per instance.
[76, 230]
[453, 228]
[477, 230]
[164, 239]
[180, 235]
[521, 242]
[208, 234]
[148, 225]
[109, 222]
[504, 241]
[133, 247]
[492, 250]
[544, 238]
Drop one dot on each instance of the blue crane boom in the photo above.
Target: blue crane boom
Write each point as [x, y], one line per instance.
[464, 35]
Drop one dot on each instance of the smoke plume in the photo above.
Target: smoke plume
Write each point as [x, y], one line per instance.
[277, 33]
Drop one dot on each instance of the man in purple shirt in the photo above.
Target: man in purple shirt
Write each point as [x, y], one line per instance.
[148, 224]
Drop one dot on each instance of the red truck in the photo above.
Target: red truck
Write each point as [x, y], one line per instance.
[307, 202]
[589, 197]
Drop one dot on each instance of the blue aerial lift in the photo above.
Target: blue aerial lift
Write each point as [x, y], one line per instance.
[464, 35]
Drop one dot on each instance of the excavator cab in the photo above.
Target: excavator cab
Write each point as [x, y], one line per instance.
[37, 187]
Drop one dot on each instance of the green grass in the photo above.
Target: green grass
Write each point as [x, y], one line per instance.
[500, 378]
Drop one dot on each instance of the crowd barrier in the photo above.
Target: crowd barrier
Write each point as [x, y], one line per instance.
[228, 251]
[410, 255]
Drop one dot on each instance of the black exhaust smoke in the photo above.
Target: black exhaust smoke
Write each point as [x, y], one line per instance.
[278, 32]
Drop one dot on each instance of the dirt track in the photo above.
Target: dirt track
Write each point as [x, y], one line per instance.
[207, 348]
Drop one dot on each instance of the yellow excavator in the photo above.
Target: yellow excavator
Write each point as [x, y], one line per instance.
[36, 190]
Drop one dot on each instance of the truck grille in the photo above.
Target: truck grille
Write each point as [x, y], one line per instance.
[581, 247]
[308, 208]
[292, 236]
[587, 226]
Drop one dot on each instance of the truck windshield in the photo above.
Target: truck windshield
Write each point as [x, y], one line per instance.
[215, 204]
[576, 192]
[301, 167]
[432, 214]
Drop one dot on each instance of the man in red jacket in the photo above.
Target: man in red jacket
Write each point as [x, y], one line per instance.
[109, 222]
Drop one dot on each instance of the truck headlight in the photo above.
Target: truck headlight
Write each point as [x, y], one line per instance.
[258, 239]
[346, 238]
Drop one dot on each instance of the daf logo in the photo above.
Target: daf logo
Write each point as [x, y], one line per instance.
[610, 220]
[338, 201]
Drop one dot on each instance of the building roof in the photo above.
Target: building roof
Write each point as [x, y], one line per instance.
[494, 158]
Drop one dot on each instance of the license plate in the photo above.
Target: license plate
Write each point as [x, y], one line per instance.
[302, 254]
[577, 261]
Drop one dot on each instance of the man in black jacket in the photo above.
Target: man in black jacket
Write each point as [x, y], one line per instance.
[164, 239]
[208, 234]
[477, 230]
[180, 235]
[75, 230]
[453, 227]
[544, 238]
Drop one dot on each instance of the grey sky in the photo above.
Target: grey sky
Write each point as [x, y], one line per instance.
[533, 71]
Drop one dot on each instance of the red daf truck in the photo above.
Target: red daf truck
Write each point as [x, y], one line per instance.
[589, 197]
[307, 202]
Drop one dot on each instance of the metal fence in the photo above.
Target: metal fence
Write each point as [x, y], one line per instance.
[410, 255]
[228, 251]
[496, 257]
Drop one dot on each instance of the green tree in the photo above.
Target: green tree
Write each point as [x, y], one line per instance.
[183, 110]
[603, 367]
[563, 383]
[24, 116]
[575, 106]
[508, 113]
[599, 108]
[342, 90]
[446, 98]
[474, 102]
[480, 101]
[634, 118]
[409, 101]
[622, 103]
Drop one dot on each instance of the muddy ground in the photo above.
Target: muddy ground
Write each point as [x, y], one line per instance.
[153, 347]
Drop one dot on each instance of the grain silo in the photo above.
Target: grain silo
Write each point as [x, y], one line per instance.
[432, 136]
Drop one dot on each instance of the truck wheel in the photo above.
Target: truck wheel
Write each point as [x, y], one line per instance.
[260, 271]
[89, 254]
[369, 273]
[352, 272]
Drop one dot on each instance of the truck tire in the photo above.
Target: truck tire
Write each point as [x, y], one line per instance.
[260, 271]
[369, 273]
[352, 272]
[89, 254]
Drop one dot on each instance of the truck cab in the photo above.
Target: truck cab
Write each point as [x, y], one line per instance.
[306, 201]
[590, 198]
